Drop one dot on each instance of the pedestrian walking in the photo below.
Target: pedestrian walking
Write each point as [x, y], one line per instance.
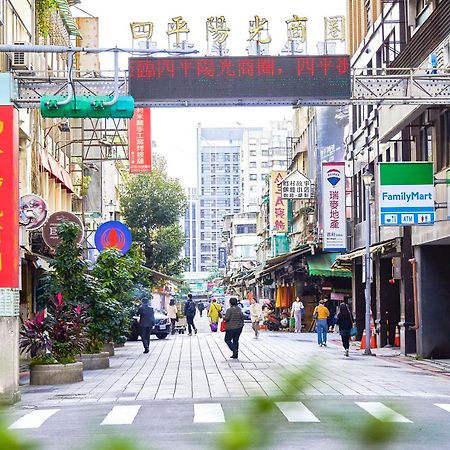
[321, 315]
[255, 315]
[345, 322]
[200, 307]
[214, 314]
[146, 322]
[172, 314]
[297, 312]
[234, 318]
[189, 312]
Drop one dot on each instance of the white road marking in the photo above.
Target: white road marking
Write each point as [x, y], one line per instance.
[296, 412]
[382, 412]
[121, 415]
[444, 406]
[208, 413]
[33, 419]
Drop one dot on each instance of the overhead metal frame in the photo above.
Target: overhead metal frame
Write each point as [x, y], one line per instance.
[369, 87]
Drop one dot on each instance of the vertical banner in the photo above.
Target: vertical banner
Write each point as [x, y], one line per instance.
[333, 201]
[278, 205]
[140, 146]
[9, 198]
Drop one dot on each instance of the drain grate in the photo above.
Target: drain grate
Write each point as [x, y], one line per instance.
[69, 396]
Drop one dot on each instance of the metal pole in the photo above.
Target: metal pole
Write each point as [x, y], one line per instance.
[368, 271]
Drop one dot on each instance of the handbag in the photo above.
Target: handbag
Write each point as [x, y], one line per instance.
[354, 331]
[223, 326]
[213, 326]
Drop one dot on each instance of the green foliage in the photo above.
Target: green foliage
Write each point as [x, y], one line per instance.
[44, 10]
[152, 205]
[9, 440]
[43, 360]
[69, 269]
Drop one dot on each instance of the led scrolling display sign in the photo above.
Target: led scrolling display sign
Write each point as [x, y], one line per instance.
[238, 80]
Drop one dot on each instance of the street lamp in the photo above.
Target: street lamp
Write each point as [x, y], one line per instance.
[367, 177]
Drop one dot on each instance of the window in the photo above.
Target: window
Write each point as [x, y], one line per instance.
[263, 176]
[426, 144]
[253, 164]
[264, 164]
[253, 152]
[423, 11]
[443, 155]
[246, 228]
[264, 152]
[253, 176]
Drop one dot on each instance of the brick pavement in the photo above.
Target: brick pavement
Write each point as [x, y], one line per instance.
[198, 367]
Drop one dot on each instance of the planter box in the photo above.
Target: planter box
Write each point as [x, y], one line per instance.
[109, 348]
[94, 361]
[56, 373]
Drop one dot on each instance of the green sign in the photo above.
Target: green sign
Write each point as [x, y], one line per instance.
[406, 193]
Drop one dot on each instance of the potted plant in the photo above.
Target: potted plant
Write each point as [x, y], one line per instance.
[54, 338]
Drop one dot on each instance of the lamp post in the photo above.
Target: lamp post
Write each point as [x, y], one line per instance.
[367, 180]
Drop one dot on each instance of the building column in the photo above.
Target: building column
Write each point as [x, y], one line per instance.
[9, 348]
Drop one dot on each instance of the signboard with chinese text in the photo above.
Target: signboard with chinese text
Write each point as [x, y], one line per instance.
[50, 230]
[278, 206]
[140, 141]
[406, 193]
[333, 201]
[238, 80]
[9, 198]
[222, 258]
[296, 186]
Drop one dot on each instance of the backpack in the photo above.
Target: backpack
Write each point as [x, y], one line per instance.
[190, 309]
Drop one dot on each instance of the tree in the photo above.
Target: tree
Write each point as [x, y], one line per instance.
[152, 205]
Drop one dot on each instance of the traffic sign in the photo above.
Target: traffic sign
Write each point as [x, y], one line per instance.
[406, 193]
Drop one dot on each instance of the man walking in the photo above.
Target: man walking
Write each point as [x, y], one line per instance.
[321, 314]
[146, 322]
[189, 312]
[234, 318]
[255, 315]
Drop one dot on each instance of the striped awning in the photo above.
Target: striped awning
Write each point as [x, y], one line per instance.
[67, 18]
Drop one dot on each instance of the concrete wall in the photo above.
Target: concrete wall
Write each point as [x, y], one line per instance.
[433, 284]
[9, 358]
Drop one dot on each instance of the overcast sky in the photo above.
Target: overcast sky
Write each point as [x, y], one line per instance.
[174, 130]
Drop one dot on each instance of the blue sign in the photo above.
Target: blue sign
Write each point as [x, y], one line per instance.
[222, 258]
[113, 235]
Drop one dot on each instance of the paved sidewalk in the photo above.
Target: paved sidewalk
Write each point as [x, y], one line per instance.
[199, 367]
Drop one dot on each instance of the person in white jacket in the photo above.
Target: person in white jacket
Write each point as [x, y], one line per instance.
[255, 315]
[296, 313]
[172, 311]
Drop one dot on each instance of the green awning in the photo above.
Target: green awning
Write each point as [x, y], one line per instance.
[320, 265]
[67, 18]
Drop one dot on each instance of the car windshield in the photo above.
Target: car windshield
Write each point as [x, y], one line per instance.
[245, 303]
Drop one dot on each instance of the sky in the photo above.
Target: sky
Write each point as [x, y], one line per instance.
[174, 129]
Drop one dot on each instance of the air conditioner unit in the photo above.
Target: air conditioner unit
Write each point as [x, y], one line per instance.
[20, 60]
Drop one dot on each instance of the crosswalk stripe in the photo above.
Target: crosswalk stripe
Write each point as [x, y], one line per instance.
[33, 419]
[296, 412]
[382, 412]
[444, 406]
[121, 415]
[208, 413]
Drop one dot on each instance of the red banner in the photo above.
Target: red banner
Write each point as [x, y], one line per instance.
[140, 147]
[9, 197]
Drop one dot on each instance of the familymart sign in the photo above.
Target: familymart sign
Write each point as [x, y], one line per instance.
[406, 193]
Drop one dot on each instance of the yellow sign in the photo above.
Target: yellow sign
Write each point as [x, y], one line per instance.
[296, 28]
[259, 30]
[178, 26]
[141, 30]
[216, 27]
[334, 28]
[278, 205]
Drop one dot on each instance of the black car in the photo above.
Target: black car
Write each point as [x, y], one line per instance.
[161, 328]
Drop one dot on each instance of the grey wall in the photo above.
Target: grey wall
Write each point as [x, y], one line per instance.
[433, 283]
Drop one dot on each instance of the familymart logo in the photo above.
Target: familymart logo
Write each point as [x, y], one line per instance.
[407, 196]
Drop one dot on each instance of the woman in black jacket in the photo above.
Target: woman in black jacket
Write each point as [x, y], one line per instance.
[345, 321]
[234, 318]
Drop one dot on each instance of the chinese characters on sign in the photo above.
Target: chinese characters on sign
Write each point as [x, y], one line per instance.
[50, 230]
[140, 147]
[296, 186]
[334, 221]
[296, 35]
[259, 30]
[282, 78]
[335, 28]
[9, 198]
[217, 30]
[178, 29]
[278, 206]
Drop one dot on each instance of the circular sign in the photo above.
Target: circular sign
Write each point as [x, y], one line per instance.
[113, 234]
[33, 212]
[50, 230]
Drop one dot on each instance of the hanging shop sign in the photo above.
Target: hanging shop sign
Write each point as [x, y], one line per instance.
[140, 146]
[296, 186]
[9, 198]
[253, 80]
[33, 212]
[278, 205]
[406, 193]
[50, 230]
[113, 235]
[333, 206]
[222, 258]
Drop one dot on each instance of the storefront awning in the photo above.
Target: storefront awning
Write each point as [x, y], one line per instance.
[67, 18]
[279, 261]
[376, 248]
[322, 265]
[56, 170]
